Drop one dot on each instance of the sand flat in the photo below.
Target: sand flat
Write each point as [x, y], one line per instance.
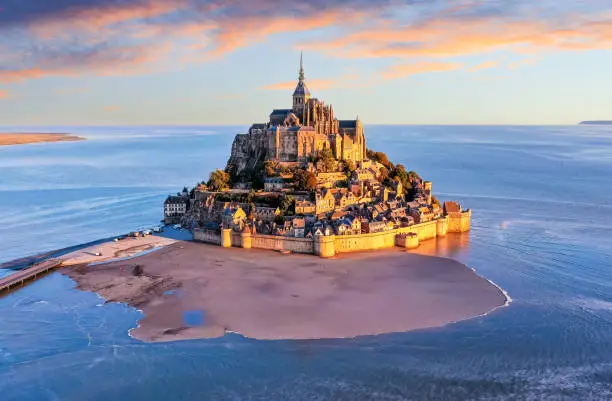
[266, 295]
[8, 138]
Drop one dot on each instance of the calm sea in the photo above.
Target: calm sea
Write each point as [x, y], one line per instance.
[542, 221]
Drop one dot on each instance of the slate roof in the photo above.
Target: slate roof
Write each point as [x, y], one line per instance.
[301, 89]
[283, 112]
[347, 123]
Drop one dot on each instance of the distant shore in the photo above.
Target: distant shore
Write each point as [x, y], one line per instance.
[189, 290]
[602, 122]
[11, 138]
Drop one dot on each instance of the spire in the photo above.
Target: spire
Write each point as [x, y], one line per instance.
[301, 67]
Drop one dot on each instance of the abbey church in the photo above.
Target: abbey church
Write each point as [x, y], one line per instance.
[291, 136]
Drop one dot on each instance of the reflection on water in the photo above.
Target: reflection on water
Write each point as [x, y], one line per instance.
[541, 198]
[453, 246]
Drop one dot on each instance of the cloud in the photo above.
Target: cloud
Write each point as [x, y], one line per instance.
[118, 37]
[319, 84]
[454, 37]
[69, 91]
[404, 70]
[483, 66]
[521, 63]
[4, 94]
[111, 108]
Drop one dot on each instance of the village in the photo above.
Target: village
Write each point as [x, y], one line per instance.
[364, 206]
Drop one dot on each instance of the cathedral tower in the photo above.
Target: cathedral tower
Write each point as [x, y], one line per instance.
[301, 95]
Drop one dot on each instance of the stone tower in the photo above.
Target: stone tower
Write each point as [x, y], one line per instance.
[301, 95]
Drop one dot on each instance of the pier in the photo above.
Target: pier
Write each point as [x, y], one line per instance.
[18, 278]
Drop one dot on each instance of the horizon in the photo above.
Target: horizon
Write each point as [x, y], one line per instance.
[186, 63]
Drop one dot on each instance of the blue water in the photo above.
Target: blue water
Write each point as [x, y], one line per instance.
[542, 202]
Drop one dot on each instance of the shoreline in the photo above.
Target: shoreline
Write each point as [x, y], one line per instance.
[269, 296]
[13, 138]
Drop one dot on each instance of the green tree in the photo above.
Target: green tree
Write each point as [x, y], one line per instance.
[219, 180]
[287, 205]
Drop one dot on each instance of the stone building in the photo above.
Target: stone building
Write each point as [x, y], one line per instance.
[292, 136]
[175, 208]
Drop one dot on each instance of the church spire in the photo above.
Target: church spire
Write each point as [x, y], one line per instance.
[301, 67]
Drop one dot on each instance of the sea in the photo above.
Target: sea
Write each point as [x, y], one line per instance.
[541, 198]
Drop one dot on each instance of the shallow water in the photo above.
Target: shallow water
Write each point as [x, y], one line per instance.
[542, 201]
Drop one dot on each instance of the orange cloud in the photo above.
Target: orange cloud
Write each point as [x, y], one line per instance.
[4, 94]
[404, 70]
[484, 66]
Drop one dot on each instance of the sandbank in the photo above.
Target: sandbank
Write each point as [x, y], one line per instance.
[266, 295]
[9, 138]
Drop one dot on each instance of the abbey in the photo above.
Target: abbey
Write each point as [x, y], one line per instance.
[292, 136]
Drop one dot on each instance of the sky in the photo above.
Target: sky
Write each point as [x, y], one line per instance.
[190, 62]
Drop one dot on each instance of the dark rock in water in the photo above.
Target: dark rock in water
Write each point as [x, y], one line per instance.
[138, 270]
[603, 122]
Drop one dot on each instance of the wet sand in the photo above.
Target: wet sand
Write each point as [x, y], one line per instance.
[190, 290]
[107, 251]
[26, 138]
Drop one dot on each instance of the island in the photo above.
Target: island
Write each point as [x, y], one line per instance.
[602, 122]
[305, 234]
[11, 138]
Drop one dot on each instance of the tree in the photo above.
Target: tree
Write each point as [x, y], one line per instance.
[270, 167]
[328, 159]
[305, 180]
[287, 205]
[435, 201]
[219, 180]
[251, 215]
[379, 157]
[349, 167]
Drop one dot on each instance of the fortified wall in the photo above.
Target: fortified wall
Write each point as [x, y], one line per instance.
[328, 246]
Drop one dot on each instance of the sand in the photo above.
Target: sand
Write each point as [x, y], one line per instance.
[108, 251]
[190, 290]
[26, 138]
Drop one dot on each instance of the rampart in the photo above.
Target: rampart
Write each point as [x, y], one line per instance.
[328, 246]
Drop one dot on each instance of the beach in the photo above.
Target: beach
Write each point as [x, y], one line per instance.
[8, 138]
[188, 290]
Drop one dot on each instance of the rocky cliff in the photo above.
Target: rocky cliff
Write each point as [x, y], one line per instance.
[248, 155]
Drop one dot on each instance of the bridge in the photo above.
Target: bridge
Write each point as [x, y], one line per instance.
[20, 277]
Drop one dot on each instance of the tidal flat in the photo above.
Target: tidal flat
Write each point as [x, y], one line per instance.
[189, 290]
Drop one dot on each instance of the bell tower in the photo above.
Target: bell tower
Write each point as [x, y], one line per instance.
[301, 95]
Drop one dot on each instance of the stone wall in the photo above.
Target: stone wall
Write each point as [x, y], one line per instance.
[278, 243]
[208, 236]
[332, 245]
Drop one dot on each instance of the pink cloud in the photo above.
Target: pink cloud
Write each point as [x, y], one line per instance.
[484, 66]
[4, 94]
[404, 70]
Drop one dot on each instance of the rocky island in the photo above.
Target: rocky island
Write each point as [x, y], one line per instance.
[300, 185]
[305, 182]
